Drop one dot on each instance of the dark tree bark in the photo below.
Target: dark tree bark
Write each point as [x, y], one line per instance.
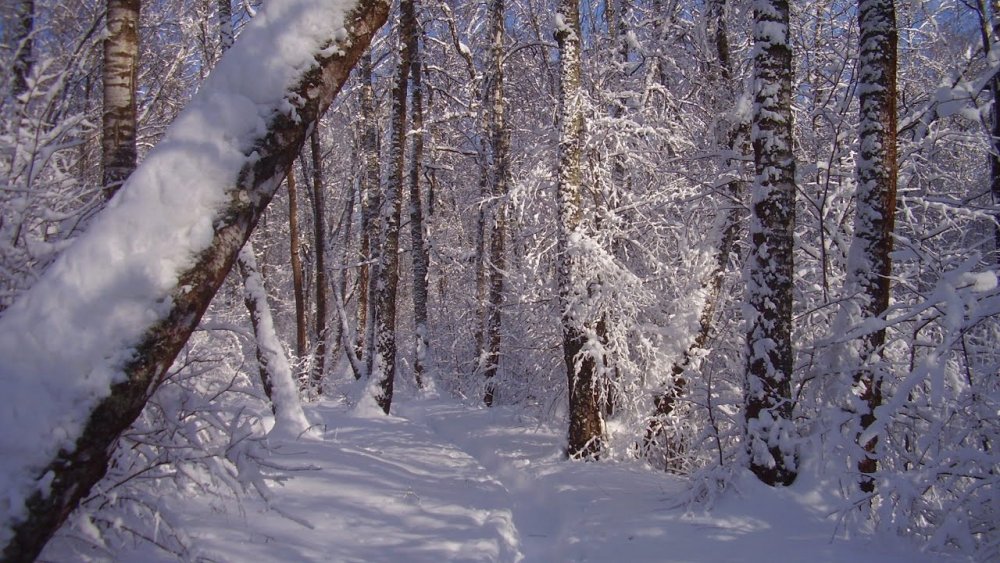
[382, 368]
[22, 40]
[370, 203]
[586, 424]
[121, 57]
[870, 255]
[769, 429]
[257, 307]
[298, 283]
[420, 252]
[498, 134]
[225, 25]
[69, 475]
[319, 242]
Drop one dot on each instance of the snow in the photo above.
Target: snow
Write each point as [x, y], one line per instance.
[445, 482]
[62, 342]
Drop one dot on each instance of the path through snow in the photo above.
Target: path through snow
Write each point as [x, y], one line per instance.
[439, 481]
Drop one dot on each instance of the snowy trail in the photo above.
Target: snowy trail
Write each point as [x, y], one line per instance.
[440, 481]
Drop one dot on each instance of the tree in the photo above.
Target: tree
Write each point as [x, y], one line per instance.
[319, 241]
[21, 39]
[382, 359]
[298, 277]
[420, 254]
[121, 56]
[368, 186]
[586, 425]
[52, 475]
[770, 433]
[869, 267]
[498, 135]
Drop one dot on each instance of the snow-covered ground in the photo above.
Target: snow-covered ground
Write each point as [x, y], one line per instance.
[440, 481]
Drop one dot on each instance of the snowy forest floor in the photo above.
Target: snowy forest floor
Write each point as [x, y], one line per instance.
[441, 481]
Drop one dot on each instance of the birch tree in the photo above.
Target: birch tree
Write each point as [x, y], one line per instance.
[121, 56]
[586, 425]
[50, 475]
[498, 134]
[770, 433]
[867, 287]
[382, 362]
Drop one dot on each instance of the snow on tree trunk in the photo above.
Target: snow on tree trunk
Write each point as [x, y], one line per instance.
[498, 134]
[275, 371]
[121, 57]
[85, 347]
[319, 243]
[225, 25]
[770, 433]
[586, 425]
[728, 227]
[869, 263]
[382, 372]
[420, 253]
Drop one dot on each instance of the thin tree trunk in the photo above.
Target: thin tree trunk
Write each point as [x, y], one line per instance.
[319, 242]
[770, 432]
[586, 425]
[67, 474]
[369, 195]
[22, 40]
[225, 25]
[275, 371]
[870, 267]
[498, 133]
[420, 254]
[298, 285]
[383, 364]
[666, 402]
[121, 56]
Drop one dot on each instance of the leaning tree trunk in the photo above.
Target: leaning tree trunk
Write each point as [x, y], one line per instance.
[121, 57]
[666, 401]
[586, 425]
[870, 262]
[382, 370]
[769, 429]
[420, 254]
[53, 456]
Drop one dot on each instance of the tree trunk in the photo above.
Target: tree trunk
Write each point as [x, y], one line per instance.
[498, 133]
[121, 56]
[383, 365]
[586, 425]
[225, 25]
[319, 241]
[770, 432]
[420, 254]
[738, 135]
[275, 371]
[369, 196]
[58, 474]
[870, 262]
[298, 283]
[22, 41]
